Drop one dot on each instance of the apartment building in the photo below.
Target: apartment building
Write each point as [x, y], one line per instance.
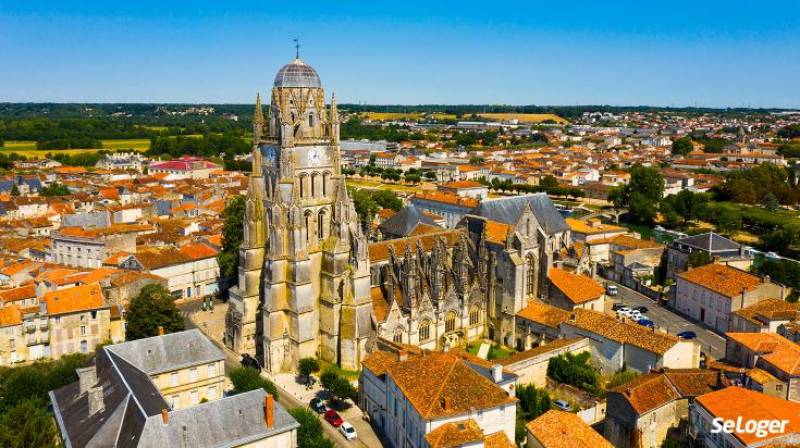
[88, 248]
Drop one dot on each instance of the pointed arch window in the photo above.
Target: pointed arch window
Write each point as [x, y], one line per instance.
[303, 185]
[313, 185]
[325, 177]
[321, 226]
[308, 225]
[474, 316]
[450, 322]
[531, 277]
[310, 120]
[425, 330]
[398, 336]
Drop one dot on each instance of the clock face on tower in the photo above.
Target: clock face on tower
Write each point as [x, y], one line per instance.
[315, 156]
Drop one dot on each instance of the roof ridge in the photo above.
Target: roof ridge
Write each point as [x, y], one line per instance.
[454, 360]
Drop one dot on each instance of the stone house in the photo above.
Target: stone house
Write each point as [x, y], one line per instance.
[569, 291]
[765, 316]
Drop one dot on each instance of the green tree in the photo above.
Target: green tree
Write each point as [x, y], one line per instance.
[548, 181]
[14, 190]
[55, 189]
[770, 202]
[309, 434]
[574, 370]
[699, 258]
[620, 378]
[232, 235]
[728, 221]
[642, 194]
[307, 366]
[368, 202]
[154, 307]
[247, 378]
[27, 424]
[338, 386]
[532, 403]
[682, 146]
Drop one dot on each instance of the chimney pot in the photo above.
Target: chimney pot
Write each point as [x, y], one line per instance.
[497, 373]
[269, 411]
[165, 416]
[160, 330]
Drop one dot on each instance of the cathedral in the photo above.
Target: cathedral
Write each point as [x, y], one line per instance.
[311, 284]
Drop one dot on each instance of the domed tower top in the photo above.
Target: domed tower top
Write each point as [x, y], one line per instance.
[297, 74]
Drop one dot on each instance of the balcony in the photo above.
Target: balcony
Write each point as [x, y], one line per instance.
[44, 325]
[30, 327]
[31, 340]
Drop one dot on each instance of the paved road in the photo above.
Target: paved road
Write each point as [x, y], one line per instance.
[711, 343]
[232, 361]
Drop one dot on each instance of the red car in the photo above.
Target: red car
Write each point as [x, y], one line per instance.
[333, 418]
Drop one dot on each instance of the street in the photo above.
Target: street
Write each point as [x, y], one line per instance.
[711, 343]
[209, 323]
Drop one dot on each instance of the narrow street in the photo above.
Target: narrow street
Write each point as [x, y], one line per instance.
[711, 343]
[211, 322]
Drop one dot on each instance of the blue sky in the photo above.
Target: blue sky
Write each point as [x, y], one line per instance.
[667, 53]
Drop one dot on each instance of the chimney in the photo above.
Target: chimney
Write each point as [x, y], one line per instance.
[165, 416]
[497, 373]
[160, 330]
[87, 377]
[269, 411]
[96, 403]
[402, 355]
[446, 404]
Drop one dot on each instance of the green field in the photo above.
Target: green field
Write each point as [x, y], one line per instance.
[28, 148]
[138, 144]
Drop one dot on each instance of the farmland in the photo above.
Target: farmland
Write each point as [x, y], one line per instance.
[524, 118]
[28, 148]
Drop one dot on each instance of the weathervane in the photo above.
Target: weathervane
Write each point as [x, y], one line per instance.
[297, 48]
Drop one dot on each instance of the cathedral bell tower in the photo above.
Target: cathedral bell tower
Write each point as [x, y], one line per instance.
[303, 242]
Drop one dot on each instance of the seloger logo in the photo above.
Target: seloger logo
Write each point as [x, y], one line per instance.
[761, 428]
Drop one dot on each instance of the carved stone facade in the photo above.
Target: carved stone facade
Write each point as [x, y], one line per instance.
[303, 288]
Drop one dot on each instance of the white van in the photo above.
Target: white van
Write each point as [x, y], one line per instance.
[611, 290]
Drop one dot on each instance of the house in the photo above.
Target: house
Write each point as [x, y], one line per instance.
[451, 206]
[116, 403]
[404, 398]
[765, 316]
[88, 247]
[186, 366]
[711, 293]
[191, 271]
[560, 429]
[593, 229]
[538, 323]
[78, 320]
[715, 246]
[530, 365]
[568, 291]
[773, 354]
[737, 404]
[618, 344]
[184, 167]
[642, 412]
[466, 189]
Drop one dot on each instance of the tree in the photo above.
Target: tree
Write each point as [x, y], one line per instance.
[574, 370]
[55, 189]
[770, 202]
[621, 377]
[27, 424]
[14, 190]
[232, 235]
[368, 202]
[699, 258]
[548, 181]
[154, 307]
[309, 434]
[642, 194]
[307, 366]
[682, 146]
[247, 378]
[532, 403]
[338, 386]
[728, 221]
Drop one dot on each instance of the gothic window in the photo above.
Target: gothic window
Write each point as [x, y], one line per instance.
[310, 120]
[450, 322]
[314, 185]
[302, 185]
[529, 227]
[398, 336]
[531, 280]
[474, 317]
[325, 177]
[308, 225]
[425, 331]
[321, 224]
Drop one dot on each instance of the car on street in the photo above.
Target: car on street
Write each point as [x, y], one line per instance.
[348, 431]
[333, 418]
[687, 334]
[642, 309]
[618, 306]
[635, 314]
[562, 405]
[318, 406]
[646, 323]
[612, 290]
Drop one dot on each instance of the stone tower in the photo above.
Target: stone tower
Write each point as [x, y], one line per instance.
[313, 268]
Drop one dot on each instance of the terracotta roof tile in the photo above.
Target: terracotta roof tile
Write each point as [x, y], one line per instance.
[380, 250]
[455, 434]
[75, 299]
[10, 315]
[8, 296]
[543, 313]
[559, 429]
[722, 279]
[773, 349]
[578, 288]
[622, 332]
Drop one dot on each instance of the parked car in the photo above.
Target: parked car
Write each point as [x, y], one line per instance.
[612, 290]
[562, 405]
[348, 431]
[625, 311]
[642, 309]
[635, 314]
[646, 323]
[618, 306]
[687, 335]
[318, 406]
[333, 418]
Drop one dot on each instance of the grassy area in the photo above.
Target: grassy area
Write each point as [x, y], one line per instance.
[524, 118]
[360, 183]
[19, 145]
[138, 144]
[388, 116]
[349, 374]
[495, 351]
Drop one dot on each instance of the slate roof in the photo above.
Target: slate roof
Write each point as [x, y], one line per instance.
[509, 210]
[132, 407]
[158, 354]
[405, 221]
[710, 242]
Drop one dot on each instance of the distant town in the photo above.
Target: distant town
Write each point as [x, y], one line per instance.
[303, 273]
